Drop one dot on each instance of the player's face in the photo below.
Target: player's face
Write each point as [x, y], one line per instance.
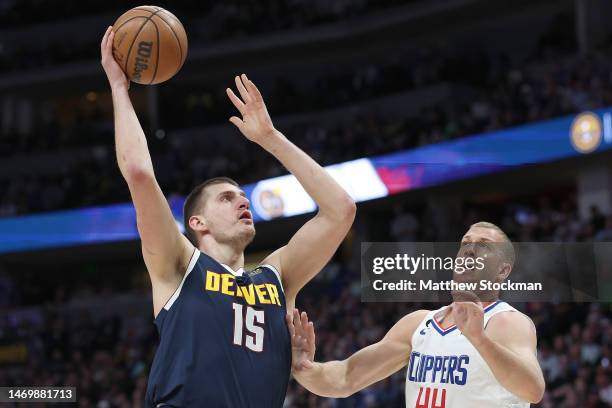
[227, 215]
[484, 246]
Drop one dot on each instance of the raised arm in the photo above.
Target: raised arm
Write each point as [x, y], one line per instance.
[315, 243]
[339, 379]
[508, 345]
[165, 250]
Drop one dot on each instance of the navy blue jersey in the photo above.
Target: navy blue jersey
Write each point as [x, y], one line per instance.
[223, 340]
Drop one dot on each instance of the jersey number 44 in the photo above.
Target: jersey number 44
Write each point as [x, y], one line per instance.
[431, 398]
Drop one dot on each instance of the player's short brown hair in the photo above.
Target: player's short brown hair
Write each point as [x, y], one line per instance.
[506, 245]
[195, 202]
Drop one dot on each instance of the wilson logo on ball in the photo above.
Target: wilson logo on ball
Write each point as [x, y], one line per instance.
[141, 61]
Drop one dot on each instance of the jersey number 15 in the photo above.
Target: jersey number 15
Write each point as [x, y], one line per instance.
[248, 327]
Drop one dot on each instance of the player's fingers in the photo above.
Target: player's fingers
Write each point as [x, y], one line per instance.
[109, 43]
[253, 91]
[311, 333]
[236, 121]
[310, 336]
[304, 322]
[455, 310]
[469, 305]
[109, 40]
[296, 321]
[300, 324]
[465, 296]
[296, 316]
[307, 364]
[461, 309]
[256, 94]
[236, 100]
[106, 34]
[104, 39]
[243, 92]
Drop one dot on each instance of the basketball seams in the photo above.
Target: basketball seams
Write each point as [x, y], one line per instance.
[116, 29]
[178, 38]
[172, 16]
[175, 36]
[157, 56]
[127, 57]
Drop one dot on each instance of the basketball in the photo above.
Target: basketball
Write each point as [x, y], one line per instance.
[150, 44]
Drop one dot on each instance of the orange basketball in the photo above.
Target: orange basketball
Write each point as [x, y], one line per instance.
[150, 44]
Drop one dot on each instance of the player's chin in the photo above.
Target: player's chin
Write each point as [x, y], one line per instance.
[247, 223]
[247, 227]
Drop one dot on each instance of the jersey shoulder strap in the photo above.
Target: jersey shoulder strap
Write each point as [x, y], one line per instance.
[276, 273]
[495, 308]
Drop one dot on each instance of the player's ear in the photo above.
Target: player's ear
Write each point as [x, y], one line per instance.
[504, 271]
[198, 223]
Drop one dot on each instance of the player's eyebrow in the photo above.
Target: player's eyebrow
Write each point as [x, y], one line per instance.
[225, 193]
[468, 237]
[231, 192]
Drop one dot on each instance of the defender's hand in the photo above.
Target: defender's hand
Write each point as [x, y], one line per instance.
[114, 73]
[302, 341]
[255, 124]
[469, 318]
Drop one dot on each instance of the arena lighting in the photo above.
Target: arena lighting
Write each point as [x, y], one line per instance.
[365, 179]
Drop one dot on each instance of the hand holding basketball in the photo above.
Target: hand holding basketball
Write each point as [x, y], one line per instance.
[302, 340]
[255, 124]
[469, 318]
[114, 73]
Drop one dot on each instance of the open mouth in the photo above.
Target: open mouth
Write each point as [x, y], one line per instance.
[246, 215]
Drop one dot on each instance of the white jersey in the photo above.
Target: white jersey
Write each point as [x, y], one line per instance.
[446, 371]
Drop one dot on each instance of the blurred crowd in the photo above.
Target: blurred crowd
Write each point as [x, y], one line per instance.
[501, 93]
[106, 355]
[281, 13]
[508, 95]
[207, 22]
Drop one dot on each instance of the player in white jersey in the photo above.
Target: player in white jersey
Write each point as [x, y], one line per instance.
[470, 354]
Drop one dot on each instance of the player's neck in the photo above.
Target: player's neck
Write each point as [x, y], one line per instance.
[445, 319]
[224, 254]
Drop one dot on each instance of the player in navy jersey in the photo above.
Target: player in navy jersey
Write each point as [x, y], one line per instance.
[223, 338]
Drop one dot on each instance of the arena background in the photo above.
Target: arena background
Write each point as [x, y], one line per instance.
[343, 79]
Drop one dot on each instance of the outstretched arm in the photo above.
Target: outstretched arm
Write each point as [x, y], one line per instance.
[166, 251]
[508, 345]
[339, 379]
[315, 243]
